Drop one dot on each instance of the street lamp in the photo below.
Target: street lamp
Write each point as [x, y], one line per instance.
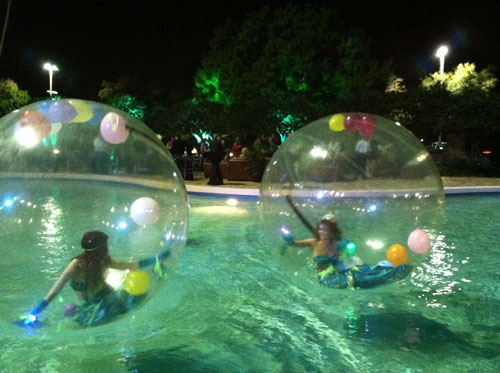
[441, 53]
[51, 68]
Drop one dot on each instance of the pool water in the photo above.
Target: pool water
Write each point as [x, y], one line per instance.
[232, 306]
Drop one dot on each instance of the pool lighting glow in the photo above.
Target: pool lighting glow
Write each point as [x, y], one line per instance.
[372, 208]
[220, 210]
[232, 202]
[122, 225]
[375, 244]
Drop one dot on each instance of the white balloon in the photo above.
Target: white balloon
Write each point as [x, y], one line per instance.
[145, 211]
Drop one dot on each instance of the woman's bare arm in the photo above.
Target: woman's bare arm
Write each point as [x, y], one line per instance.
[62, 280]
[307, 242]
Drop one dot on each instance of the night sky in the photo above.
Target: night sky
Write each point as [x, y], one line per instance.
[91, 41]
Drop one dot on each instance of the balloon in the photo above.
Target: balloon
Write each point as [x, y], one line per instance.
[113, 128]
[43, 107]
[337, 122]
[56, 127]
[69, 309]
[136, 282]
[37, 121]
[396, 254]
[83, 111]
[61, 112]
[98, 113]
[363, 123]
[145, 211]
[419, 241]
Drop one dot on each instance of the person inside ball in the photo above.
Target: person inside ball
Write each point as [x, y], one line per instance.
[86, 273]
[330, 253]
[336, 262]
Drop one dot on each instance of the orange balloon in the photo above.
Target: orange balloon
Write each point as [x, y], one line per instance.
[397, 254]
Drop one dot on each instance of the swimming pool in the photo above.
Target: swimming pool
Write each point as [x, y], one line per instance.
[232, 306]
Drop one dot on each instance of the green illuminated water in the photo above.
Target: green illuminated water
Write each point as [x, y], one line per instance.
[232, 306]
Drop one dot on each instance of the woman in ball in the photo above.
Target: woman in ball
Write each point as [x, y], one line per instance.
[86, 275]
[323, 244]
[336, 262]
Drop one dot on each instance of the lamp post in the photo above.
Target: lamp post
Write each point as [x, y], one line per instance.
[441, 53]
[51, 68]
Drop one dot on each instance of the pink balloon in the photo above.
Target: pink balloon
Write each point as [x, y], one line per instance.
[113, 128]
[419, 241]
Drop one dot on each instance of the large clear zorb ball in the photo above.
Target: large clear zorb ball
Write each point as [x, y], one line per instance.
[369, 174]
[72, 166]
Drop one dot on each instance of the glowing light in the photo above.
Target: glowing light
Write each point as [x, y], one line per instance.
[122, 225]
[26, 137]
[115, 277]
[317, 152]
[284, 230]
[232, 202]
[372, 208]
[56, 151]
[8, 203]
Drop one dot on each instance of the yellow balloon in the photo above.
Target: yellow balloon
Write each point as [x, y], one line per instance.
[136, 282]
[337, 122]
[83, 111]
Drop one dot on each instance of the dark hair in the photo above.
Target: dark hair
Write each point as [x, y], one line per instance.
[95, 258]
[335, 232]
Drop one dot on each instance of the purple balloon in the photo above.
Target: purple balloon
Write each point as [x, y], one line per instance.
[69, 309]
[114, 128]
[61, 112]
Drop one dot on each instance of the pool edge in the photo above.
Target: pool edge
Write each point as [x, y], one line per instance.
[253, 193]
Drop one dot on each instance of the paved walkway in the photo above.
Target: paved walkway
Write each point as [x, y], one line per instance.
[452, 185]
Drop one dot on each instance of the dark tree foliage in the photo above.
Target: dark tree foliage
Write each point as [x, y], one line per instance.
[297, 60]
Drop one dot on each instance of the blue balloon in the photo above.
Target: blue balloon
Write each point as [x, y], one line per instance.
[98, 112]
[43, 107]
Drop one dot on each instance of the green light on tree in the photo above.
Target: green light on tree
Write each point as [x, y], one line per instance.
[209, 86]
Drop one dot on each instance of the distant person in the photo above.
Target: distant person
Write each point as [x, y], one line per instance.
[215, 156]
[178, 146]
[361, 154]
[237, 147]
[100, 161]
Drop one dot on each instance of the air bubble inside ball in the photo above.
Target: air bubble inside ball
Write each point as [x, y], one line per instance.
[72, 166]
[371, 173]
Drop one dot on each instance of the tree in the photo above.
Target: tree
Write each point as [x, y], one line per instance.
[298, 57]
[462, 78]
[11, 97]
